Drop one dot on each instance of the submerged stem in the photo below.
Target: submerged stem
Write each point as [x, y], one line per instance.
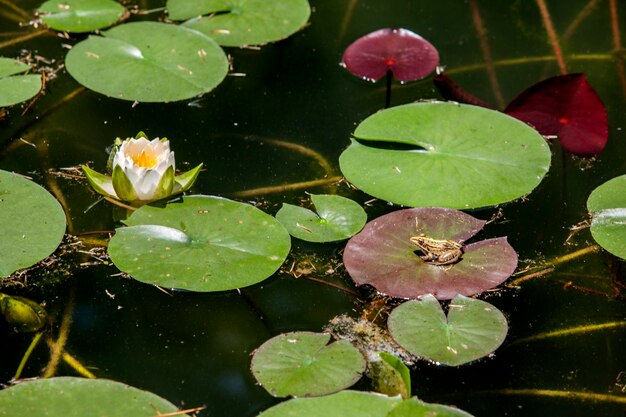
[284, 188]
[29, 351]
[588, 328]
[22, 38]
[573, 395]
[56, 349]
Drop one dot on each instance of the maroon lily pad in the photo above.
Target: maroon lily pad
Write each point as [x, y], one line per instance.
[566, 106]
[452, 91]
[383, 256]
[406, 54]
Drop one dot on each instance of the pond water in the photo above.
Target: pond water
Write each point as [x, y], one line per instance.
[193, 348]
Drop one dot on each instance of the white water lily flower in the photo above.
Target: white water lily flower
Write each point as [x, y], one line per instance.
[147, 168]
[143, 171]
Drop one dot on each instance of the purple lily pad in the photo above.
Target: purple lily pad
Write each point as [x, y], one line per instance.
[383, 256]
[406, 54]
[566, 106]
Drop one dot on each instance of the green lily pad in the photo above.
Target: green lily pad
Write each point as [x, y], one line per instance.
[80, 16]
[33, 223]
[413, 407]
[149, 62]
[472, 329]
[16, 88]
[337, 218]
[445, 154]
[200, 244]
[607, 205]
[304, 364]
[383, 255]
[80, 397]
[341, 404]
[242, 22]
[360, 404]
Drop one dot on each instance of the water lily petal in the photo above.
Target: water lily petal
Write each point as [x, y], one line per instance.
[123, 187]
[102, 184]
[185, 180]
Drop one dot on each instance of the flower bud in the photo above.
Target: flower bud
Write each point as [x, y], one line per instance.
[22, 314]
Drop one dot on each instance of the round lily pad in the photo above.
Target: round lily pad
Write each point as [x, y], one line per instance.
[383, 256]
[472, 329]
[79, 16]
[407, 55]
[337, 218]
[149, 62]
[607, 205]
[200, 244]
[242, 22]
[304, 364]
[16, 88]
[341, 404]
[445, 154]
[33, 223]
[80, 397]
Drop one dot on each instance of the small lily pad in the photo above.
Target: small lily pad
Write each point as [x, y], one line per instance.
[414, 407]
[149, 62]
[406, 54]
[607, 205]
[242, 22]
[341, 404]
[33, 223]
[16, 88]
[360, 404]
[446, 155]
[473, 329]
[200, 244]
[304, 364]
[80, 397]
[80, 16]
[337, 218]
[383, 256]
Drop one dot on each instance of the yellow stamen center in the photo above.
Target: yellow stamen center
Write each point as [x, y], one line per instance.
[145, 159]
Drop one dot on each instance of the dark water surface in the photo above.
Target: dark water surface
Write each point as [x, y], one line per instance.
[194, 349]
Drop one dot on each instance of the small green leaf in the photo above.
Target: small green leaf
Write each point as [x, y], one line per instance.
[80, 397]
[80, 16]
[472, 329]
[413, 407]
[391, 376]
[303, 364]
[337, 218]
[607, 205]
[33, 223]
[340, 404]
